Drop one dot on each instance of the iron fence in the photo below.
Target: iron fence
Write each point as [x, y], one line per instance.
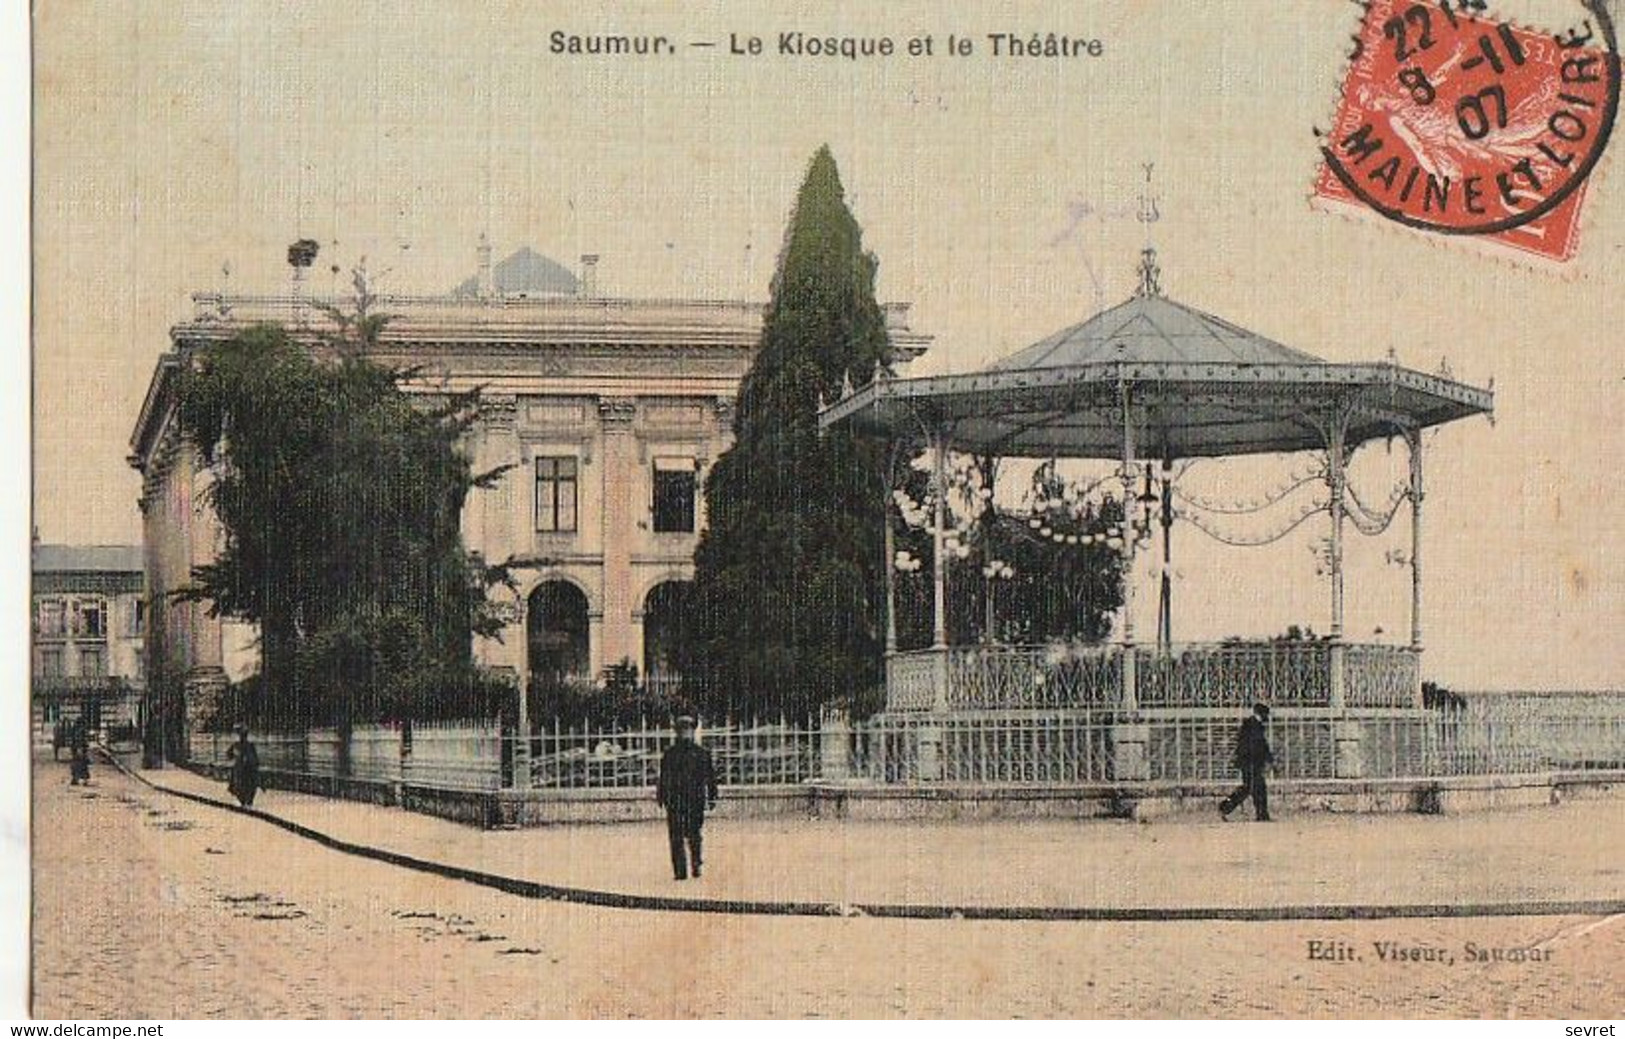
[455, 756]
[987, 748]
[585, 757]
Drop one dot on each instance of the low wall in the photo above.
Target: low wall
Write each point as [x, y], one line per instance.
[858, 801]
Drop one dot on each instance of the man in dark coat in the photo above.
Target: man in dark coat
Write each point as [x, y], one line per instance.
[1253, 758]
[78, 754]
[245, 769]
[687, 786]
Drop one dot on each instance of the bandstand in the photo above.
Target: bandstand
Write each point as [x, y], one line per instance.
[1151, 386]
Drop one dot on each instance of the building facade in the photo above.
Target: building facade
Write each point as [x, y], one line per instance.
[89, 622]
[609, 411]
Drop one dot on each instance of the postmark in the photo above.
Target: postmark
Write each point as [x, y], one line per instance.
[1453, 121]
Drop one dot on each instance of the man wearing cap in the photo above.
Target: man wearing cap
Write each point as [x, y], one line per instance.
[1253, 757]
[687, 786]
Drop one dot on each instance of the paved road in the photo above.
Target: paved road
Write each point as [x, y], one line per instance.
[1307, 859]
[147, 905]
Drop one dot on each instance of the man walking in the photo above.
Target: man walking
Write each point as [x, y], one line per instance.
[245, 769]
[1253, 757]
[79, 754]
[687, 786]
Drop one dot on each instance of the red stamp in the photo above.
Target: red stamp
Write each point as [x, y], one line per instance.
[1455, 122]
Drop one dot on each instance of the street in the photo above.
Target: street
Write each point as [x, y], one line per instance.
[147, 905]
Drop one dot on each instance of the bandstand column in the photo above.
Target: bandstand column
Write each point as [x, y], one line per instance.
[1131, 700]
[891, 582]
[1335, 477]
[939, 570]
[1414, 442]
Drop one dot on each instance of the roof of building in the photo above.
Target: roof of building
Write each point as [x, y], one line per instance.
[525, 273]
[1154, 378]
[1153, 329]
[56, 559]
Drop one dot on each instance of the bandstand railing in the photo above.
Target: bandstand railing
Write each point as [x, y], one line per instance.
[1188, 674]
[1381, 676]
[1296, 674]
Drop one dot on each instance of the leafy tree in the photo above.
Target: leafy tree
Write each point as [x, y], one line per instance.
[786, 610]
[340, 496]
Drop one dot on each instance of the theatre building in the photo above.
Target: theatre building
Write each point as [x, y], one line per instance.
[610, 410]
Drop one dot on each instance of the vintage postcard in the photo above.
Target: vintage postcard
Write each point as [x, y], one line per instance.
[749, 510]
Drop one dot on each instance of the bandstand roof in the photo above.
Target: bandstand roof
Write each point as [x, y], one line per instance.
[1195, 385]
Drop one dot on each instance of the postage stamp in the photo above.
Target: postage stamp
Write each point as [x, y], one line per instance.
[1455, 122]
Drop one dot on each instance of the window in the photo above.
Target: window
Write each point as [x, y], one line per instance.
[92, 664]
[92, 620]
[50, 663]
[556, 495]
[52, 618]
[674, 495]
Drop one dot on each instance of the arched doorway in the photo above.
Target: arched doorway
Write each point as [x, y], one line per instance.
[556, 634]
[663, 612]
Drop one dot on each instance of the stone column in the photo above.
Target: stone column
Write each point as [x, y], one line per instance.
[621, 505]
[203, 690]
[205, 539]
[491, 515]
[490, 518]
[205, 682]
[596, 660]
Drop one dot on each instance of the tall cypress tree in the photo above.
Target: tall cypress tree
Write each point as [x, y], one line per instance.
[788, 595]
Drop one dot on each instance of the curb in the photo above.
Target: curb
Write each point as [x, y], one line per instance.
[904, 911]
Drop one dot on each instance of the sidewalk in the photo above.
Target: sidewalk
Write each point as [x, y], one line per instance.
[1561, 853]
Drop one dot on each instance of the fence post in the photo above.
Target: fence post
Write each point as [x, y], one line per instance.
[835, 748]
[522, 776]
[403, 756]
[928, 753]
[1128, 748]
[1347, 737]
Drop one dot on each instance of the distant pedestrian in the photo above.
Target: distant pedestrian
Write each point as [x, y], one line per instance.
[1253, 759]
[78, 754]
[687, 787]
[245, 769]
[59, 739]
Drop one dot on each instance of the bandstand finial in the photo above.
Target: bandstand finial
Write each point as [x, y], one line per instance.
[1150, 272]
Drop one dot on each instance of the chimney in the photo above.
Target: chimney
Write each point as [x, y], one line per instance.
[589, 275]
[487, 283]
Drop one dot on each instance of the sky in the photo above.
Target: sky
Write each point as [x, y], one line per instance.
[180, 146]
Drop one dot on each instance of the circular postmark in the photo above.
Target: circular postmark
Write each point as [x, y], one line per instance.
[1456, 122]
